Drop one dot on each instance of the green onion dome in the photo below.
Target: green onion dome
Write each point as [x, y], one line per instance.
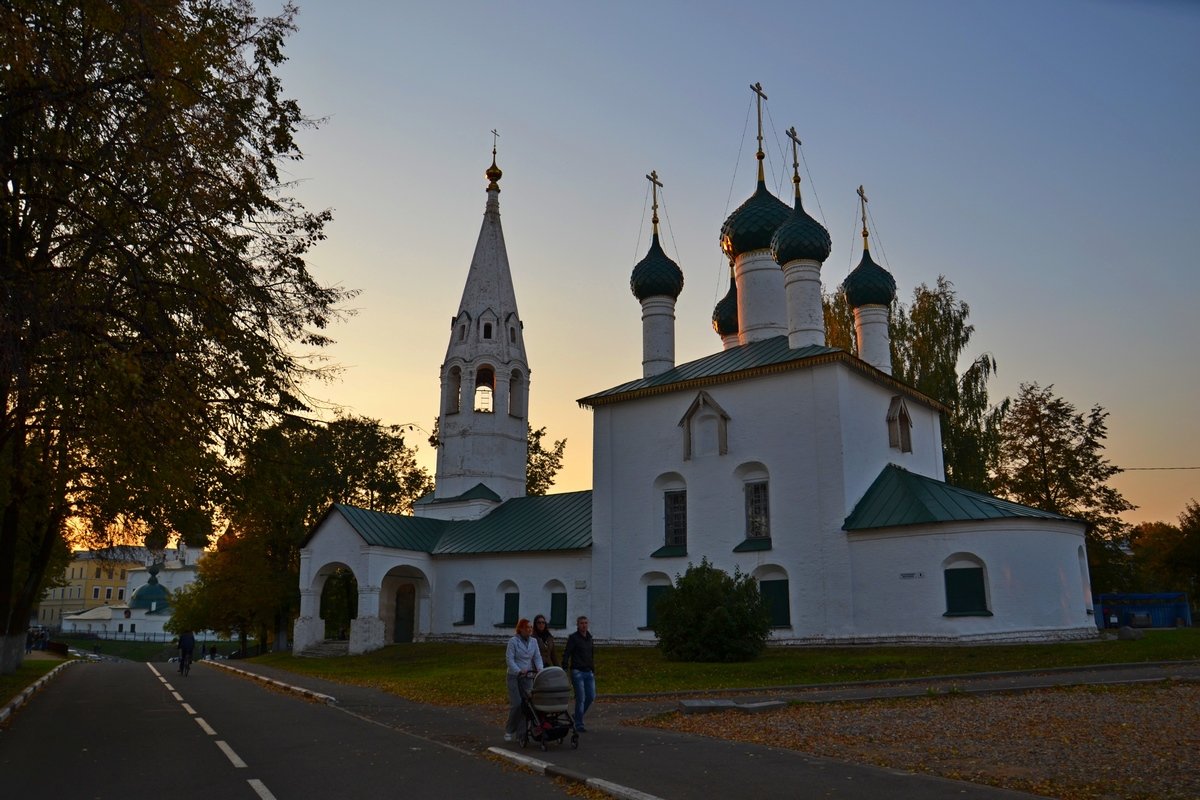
[800, 237]
[725, 315]
[150, 595]
[869, 284]
[754, 222]
[656, 274]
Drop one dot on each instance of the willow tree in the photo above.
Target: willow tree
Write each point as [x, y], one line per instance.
[157, 305]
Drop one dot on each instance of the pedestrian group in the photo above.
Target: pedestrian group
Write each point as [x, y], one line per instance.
[531, 649]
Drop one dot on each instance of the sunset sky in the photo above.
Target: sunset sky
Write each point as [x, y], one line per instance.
[1040, 155]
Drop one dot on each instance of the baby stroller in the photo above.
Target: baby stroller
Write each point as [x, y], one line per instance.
[546, 717]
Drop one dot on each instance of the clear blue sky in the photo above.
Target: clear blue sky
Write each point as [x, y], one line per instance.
[1041, 155]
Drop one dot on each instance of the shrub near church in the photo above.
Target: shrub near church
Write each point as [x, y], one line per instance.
[711, 615]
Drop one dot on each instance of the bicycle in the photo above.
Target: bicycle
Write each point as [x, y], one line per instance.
[185, 663]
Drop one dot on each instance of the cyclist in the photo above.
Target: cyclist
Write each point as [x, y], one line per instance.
[187, 644]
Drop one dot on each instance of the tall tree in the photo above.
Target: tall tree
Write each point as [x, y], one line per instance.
[1052, 458]
[156, 299]
[929, 339]
[284, 481]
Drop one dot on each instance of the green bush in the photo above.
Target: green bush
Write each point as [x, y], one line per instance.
[712, 616]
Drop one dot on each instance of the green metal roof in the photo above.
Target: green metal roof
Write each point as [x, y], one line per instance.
[476, 492]
[899, 497]
[745, 361]
[523, 524]
[392, 530]
[747, 357]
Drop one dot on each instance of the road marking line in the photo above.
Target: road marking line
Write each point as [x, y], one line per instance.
[261, 788]
[205, 726]
[189, 709]
[152, 669]
[232, 756]
[177, 696]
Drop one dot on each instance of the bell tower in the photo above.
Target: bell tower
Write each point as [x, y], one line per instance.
[484, 411]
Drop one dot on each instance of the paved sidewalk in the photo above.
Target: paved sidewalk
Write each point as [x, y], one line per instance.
[640, 763]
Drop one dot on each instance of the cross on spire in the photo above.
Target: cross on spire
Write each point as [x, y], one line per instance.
[862, 196]
[758, 90]
[495, 138]
[655, 185]
[791, 134]
[493, 172]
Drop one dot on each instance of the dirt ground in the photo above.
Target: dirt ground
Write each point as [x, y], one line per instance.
[1096, 743]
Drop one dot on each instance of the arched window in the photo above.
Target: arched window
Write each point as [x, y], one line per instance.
[966, 586]
[899, 424]
[487, 330]
[558, 604]
[485, 388]
[466, 594]
[512, 335]
[510, 597]
[773, 586]
[462, 332]
[657, 585]
[674, 494]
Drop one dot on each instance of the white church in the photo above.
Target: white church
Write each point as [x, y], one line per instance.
[810, 469]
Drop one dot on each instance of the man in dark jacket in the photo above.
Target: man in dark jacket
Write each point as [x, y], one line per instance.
[187, 645]
[577, 657]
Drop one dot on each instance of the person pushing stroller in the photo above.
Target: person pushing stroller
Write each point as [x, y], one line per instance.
[523, 659]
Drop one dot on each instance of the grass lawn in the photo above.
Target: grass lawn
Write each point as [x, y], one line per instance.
[28, 673]
[454, 674]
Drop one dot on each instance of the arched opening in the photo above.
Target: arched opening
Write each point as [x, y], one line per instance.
[775, 590]
[487, 330]
[453, 399]
[556, 594]
[406, 613]
[485, 389]
[339, 603]
[656, 586]
[516, 394]
[966, 586]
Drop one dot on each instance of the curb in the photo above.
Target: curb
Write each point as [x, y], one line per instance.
[32, 689]
[546, 768]
[324, 698]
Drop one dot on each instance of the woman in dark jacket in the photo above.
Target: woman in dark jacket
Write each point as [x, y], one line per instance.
[545, 640]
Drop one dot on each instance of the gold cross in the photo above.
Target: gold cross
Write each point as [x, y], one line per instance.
[791, 134]
[655, 185]
[758, 90]
[863, 202]
[495, 138]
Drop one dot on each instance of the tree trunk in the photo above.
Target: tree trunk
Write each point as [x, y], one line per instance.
[12, 653]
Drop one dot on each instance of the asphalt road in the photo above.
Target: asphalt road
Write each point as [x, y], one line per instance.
[128, 730]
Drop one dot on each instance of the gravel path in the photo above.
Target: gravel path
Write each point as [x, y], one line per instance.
[1088, 743]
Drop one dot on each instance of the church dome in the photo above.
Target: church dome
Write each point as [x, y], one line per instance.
[656, 274]
[152, 595]
[754, 222]
[800, 237]
[869, 284]
[725, 314]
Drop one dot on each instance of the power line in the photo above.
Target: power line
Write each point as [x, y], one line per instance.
[1131, 469]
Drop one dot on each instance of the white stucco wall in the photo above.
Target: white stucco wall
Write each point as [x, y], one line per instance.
[1035, 579]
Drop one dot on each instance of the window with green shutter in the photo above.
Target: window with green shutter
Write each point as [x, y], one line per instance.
[775, 593]
[653, 593]
[512, 605]
[558, 610]
[966, 594]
